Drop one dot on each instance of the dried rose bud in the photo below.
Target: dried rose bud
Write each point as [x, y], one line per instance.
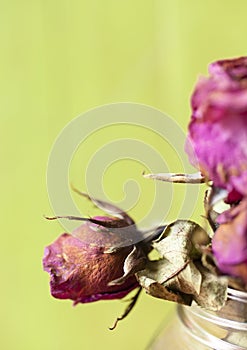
[230, 241]
[217, 141]
[81, 269]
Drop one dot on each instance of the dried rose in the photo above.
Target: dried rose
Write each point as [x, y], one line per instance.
[217, 141]
[81, 268]
[229, 243]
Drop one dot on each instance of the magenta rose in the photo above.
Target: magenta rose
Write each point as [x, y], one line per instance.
[217, 140]
[229, 243]
[81, 268]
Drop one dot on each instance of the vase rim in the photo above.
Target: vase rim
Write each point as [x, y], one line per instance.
[237, 294]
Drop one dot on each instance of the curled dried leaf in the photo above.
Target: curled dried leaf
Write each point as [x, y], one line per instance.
[134, 262]
[187, 281]
[157, 279]
[180, 241]
[106, 207]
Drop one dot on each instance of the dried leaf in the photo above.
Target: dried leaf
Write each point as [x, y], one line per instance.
[107, 207]
[157, 290]
[213, 293]
[208, 260]
[188, 281]
[157, 278]
[196, 178]
[179, 276]
[149, 277]
[193, 282]
[180, 241]
[135, 261]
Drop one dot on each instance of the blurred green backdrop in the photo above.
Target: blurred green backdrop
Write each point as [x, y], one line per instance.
[59, 59]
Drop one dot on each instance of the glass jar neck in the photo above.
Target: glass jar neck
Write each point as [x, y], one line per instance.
[222, 330]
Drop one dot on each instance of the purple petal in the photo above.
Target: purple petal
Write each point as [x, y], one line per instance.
[217, 140]
[229, 243]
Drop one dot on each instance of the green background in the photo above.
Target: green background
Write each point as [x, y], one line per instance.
[59, 59]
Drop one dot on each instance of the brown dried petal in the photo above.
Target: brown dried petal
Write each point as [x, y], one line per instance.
[81, 271]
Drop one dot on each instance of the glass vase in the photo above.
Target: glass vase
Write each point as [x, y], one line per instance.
[196, 328]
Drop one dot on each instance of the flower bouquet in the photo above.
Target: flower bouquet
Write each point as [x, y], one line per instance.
[108, 256]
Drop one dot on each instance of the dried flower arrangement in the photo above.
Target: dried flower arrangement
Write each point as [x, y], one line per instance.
[108, 256]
